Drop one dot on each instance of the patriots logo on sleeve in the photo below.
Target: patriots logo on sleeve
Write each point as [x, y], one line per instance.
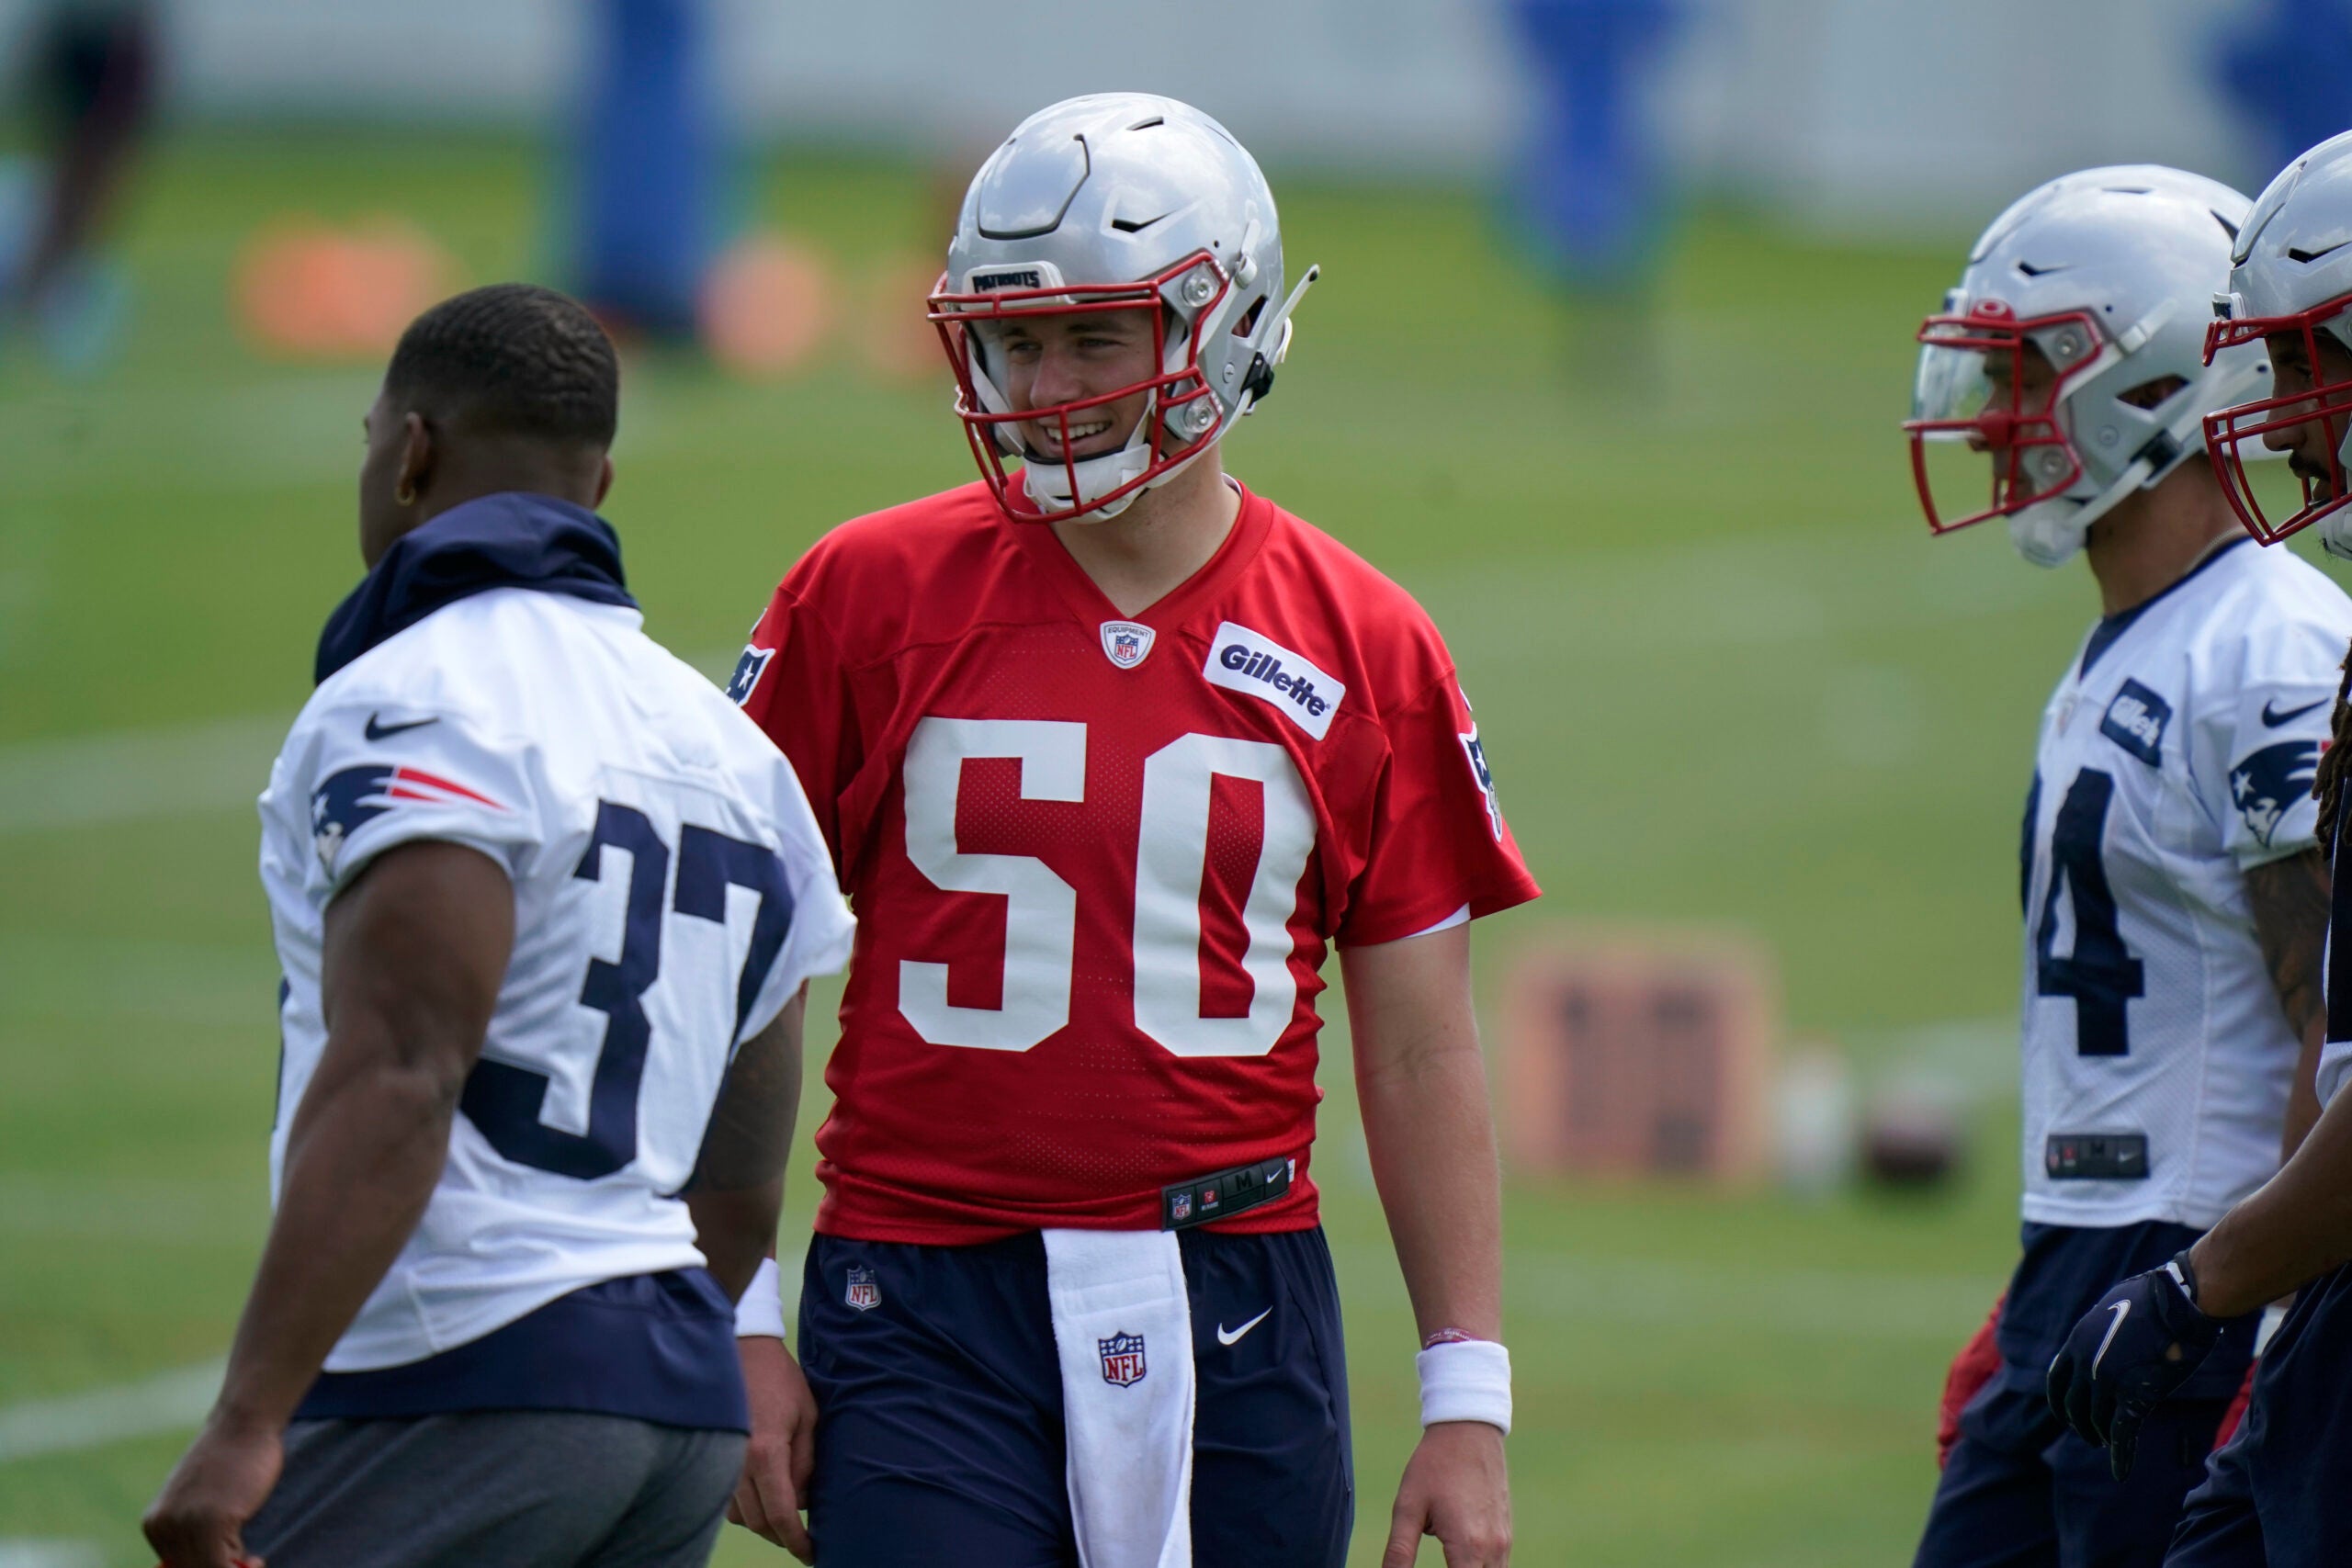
[2268, 782]
[354, 798]
[748, 671]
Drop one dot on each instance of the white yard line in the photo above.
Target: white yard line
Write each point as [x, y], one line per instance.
[168, 1402]
[32, 1552]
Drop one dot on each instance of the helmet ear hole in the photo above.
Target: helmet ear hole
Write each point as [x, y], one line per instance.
[1248, 322]
[2151, 394]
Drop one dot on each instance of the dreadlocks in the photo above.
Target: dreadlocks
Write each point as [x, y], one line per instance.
[2327, 782]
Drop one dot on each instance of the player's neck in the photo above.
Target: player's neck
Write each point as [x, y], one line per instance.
[1146, 552]
[2157, 537]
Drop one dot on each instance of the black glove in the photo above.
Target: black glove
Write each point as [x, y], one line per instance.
[2144, 1340]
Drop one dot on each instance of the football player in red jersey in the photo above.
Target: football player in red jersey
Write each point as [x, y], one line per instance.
[1110, 751]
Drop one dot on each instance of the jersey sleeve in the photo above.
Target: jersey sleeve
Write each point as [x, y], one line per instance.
[373, 781]
[791, 682]
[1438, 848]
[817, 941]
[2263, 739]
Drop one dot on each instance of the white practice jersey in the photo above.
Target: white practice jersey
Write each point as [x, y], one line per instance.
[671, 894]
[2175, 755]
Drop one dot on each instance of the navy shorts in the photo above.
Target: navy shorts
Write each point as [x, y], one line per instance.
[2276, 1498]
[939, 1436]
[2021, 1490]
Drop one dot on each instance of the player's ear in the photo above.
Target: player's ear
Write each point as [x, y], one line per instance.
[604, 483]
[416, 460]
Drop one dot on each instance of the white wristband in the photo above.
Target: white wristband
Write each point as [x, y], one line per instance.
[760, 1315]
[1466, 1380]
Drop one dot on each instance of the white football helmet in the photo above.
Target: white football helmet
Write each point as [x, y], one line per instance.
[2103, 275]
[2291, 274]
[1116, 201]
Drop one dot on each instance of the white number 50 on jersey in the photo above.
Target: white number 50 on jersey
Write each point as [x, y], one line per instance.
[1041, 909]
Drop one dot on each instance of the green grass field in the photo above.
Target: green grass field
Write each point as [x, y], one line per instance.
[1724, 675]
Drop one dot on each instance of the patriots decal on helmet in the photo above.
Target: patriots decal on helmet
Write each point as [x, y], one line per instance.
[352, 798]
[2267, 783]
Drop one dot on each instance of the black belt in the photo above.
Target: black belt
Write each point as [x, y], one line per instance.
[1225, 1193]
[2096, 1157]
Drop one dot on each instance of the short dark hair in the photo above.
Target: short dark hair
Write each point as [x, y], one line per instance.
[514, 359]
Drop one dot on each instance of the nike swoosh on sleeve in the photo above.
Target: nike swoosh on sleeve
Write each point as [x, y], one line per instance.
[2273, 720]
[377, 730]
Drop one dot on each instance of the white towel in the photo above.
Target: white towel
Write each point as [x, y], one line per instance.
[1125, 1332]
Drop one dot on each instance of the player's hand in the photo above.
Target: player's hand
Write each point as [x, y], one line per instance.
[1457, 1488]
[198, 1519]
[783, 1451]
[2144, 1340]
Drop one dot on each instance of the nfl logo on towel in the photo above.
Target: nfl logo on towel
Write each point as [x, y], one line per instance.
[1124, 643]
[864, 1293]
[1122, 1359]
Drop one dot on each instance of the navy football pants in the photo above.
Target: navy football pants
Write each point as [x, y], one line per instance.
[939, 1436]
[2280, 1491]
[2050, 1501]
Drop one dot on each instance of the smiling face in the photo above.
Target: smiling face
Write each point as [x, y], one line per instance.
[2309, 442]
[1050, 361]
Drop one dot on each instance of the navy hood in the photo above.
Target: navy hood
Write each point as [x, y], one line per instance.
[514, 539]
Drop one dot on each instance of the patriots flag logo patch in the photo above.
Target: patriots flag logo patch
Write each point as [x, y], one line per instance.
[1122, 1359]
[354, 798]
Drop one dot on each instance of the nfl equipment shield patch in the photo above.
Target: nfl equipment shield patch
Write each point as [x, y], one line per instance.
[1125, 643]
[865, 1292]
[1122, 1359]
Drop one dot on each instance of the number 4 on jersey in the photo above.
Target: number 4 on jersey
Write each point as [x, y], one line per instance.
[2100, 973]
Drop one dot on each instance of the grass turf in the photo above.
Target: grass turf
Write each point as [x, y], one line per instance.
[1721, 675]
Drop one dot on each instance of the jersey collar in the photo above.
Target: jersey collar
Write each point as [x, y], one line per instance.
[1088, 602]
[513, 539]
[2104, 634]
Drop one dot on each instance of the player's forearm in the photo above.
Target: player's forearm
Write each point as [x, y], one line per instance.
[2289, 899]
[1431, 1139]
[2302, 1094]
[735, 1231]
[2297, 1227]
[737, 1195]
[360, 1167]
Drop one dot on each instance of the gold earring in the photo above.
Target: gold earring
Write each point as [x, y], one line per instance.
[405, 494]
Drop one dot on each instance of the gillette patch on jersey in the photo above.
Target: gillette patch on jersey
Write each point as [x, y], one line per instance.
[1242, 661]
[2135, 720]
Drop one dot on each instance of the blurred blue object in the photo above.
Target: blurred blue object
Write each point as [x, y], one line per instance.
[648, 167]
[1589, 192]
[2287, 67]
[78, 316]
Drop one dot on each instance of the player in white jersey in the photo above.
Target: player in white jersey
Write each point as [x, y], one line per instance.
[2174, 907]
[2277, 1494]
[544, 901]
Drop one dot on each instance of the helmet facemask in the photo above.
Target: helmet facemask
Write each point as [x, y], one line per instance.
[1182, 415]
[2326, 403]
[2000, 385]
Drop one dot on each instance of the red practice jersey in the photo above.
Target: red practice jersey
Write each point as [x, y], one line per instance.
[1097, 860]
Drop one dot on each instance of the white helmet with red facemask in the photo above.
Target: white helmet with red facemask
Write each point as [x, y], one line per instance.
[2290, 278]
[1116, 202]
[2092, 289]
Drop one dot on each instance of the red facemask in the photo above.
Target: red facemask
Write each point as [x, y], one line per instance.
[1178, 429]
[2327, 405]
[1955, 401]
